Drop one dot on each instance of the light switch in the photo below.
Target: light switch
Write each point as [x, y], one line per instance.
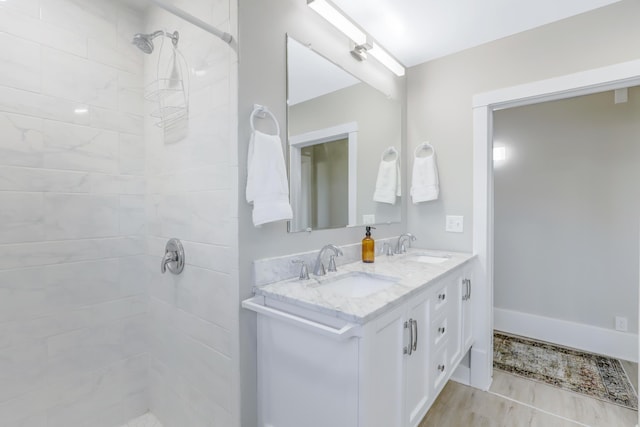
[455, 223]
[369, 219]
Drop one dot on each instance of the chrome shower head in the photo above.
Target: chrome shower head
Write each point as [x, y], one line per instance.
[144, 42]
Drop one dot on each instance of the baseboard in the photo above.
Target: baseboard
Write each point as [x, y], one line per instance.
[619, 345]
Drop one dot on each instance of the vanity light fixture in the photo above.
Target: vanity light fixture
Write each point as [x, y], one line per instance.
[363, 44]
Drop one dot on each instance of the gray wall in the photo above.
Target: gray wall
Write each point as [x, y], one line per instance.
[379, 126]
[439, 95]
[262, 79]
[567, 204]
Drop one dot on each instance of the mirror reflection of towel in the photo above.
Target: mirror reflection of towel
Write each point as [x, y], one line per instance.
[267, 184]
[388, 181]
[425, 185]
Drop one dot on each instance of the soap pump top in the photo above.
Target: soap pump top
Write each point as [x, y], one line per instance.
[368, 247]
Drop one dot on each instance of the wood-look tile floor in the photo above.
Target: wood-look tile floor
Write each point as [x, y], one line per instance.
[513, 402]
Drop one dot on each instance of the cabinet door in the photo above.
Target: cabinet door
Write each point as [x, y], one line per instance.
[467, 293]
[454, 320]
[381, 387]
[417, 391]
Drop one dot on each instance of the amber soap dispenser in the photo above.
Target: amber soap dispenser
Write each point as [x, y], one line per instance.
[368, 247]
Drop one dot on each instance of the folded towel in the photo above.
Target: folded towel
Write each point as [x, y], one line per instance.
[425, 185]
[267, 185]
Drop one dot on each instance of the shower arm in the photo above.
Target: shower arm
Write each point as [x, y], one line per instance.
[173, 36]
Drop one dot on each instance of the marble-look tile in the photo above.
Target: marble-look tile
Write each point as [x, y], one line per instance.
[198, 291]
[35, 254]
[42, 106]
[19, 63]
[146, 420]
[22, 216]
[130, 93]
[22, 141]
[33, 29]
[88, 19]
[22, 369]
[132, 215]
[164, 316]
[77, 79]
[74, 216]
[28, 7]
[131, 154]
[126, 58]
[117, 184]
[73, 147]
[105, 118]
[42, 180]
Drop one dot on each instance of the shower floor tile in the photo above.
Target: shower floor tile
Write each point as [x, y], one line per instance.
[147, 420]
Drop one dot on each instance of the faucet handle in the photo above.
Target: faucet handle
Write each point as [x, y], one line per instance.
[332, 263]
[304, 270]
[387, 249]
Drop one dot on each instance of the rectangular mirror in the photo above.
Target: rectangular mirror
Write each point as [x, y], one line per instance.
[339, 131]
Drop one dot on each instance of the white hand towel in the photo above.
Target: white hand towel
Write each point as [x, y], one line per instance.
[267, 185]
[425, 185]
[388, 181]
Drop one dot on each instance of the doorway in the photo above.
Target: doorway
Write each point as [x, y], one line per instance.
[593, 81]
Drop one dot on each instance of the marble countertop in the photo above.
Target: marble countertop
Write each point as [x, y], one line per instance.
[412, 276]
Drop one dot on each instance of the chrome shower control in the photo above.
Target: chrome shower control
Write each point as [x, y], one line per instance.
[173, 258]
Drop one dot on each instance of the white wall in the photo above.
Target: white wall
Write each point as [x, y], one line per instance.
[566, 209]
[193, 196]
[72, 283]
[439, 97]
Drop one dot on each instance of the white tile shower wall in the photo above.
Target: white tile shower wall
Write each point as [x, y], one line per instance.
[192, 196]
[73, 294]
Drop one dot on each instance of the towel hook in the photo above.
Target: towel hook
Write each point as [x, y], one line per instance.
[262, 112]
[390, 150]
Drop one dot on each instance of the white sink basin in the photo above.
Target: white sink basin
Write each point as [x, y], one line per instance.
[429, 258]
[357, 285]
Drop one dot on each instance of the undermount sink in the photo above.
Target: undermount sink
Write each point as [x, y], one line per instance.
[429, 258]
[357, 285]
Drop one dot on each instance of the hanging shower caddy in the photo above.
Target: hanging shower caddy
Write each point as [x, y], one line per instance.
[170, 92]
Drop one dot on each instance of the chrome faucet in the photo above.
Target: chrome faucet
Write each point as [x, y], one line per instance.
[400, 247]
[318, 269]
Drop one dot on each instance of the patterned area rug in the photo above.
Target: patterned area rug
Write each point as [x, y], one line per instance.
[586, 373]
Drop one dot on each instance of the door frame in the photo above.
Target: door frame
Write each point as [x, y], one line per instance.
[611, 77]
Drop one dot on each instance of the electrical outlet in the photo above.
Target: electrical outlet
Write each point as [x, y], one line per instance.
[369, 219]
[454, 223]
[621, 324]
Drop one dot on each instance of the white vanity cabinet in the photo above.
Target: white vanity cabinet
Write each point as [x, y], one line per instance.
[318, 370]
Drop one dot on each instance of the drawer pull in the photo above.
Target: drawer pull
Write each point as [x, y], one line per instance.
[409, 325]
[441, 368]
[442, 297]
[441, 329]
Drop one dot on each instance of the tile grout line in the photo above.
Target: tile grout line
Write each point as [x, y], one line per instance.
[538, 409]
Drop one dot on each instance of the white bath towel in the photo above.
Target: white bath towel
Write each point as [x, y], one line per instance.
[425, 185]
[388, 181]
[267, 185]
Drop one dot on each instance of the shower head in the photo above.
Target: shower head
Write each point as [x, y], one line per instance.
[144, 42]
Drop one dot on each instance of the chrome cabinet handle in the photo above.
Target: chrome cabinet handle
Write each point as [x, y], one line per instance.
[409, 349]
[441, 329]
[173, 258]
[442, 297]
[441, 368]
[415, 340]
[469, 284]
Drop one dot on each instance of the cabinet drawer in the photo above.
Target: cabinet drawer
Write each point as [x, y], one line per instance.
[440, 300]
[440, 331]
[440, 368]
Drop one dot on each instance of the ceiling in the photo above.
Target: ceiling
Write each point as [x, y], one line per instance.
[416, 31]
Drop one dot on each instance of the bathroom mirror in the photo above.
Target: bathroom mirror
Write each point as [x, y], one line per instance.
[339, 129]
